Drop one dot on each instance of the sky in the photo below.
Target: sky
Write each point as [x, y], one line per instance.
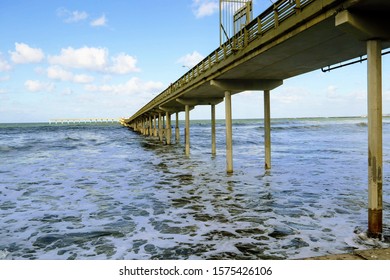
[108, 58]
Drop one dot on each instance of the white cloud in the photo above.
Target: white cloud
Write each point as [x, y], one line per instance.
[202, 8]
[4, 78]
[290, 95]
[95, 59]
[134, 86]
[71, 16]
[331, 92]
[101, 21]
[57, 73]
[67, 91]
[36, 86]
[25, 54]
[190, 60]
[4, 65]
[123, 64]
[84, 58]
[83, 79]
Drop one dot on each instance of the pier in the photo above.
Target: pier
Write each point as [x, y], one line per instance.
[290, 38]
[84, 120]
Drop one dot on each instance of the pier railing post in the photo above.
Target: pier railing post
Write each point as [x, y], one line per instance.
[229, 134]
[375, 172]
[267, 129]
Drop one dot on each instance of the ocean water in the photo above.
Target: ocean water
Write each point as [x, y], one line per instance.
[105, 192]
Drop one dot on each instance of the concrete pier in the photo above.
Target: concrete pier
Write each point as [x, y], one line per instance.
[298, 37]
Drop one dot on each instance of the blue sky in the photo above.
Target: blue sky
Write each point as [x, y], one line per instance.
[107, 58]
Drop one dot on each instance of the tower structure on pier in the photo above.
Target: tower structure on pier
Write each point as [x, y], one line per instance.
[233, 16]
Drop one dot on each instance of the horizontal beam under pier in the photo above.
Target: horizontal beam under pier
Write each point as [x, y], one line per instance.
[200, 101]
[171, 109]
[238, 85]
[365, 26]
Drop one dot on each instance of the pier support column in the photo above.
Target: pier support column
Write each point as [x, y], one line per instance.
[168, 129]
[164, 135]
[232, 86]
[213, 138]
[229, 134]
[160, 135]
[143, 126]
[187, 117]
[150, 126]
[146, 126]
[267, 129]
[374, 82]
[177, 131]
[154, 126]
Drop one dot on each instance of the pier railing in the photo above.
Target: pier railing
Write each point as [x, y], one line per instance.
[258, 27]
[83, 120]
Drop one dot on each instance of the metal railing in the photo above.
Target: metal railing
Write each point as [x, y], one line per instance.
[258, 27]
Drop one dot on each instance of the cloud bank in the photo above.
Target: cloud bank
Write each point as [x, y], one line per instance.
[95, 59]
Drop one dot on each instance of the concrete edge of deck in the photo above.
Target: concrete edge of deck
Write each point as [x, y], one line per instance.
[371, 254]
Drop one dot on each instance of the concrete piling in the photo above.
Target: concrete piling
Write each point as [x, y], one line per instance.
[177, 131]
[168, 129]
[160, 134]
[375, 173]
[187, 130]
[229, 134]
[267, 129]
[213, 131]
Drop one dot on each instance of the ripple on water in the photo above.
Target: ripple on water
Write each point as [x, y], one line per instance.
[150, 201]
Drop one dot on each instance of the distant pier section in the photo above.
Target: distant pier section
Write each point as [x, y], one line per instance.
[84, 120]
